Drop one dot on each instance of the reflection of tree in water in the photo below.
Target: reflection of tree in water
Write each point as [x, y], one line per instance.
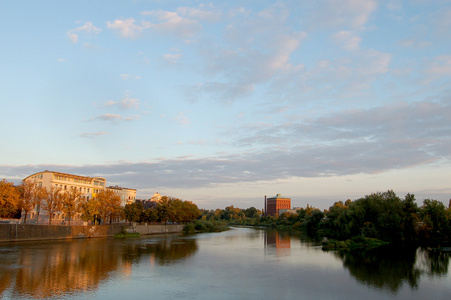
[165, 251]
[389, 267]
[433, 262]
[48, 272]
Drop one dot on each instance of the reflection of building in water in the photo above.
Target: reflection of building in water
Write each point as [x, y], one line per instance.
[279, 241]
[273, 205]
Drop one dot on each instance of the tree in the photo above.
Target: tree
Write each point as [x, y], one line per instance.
[133, 211]
[9, 199]
[435, 212]
[26, 200]
[71, 203]
[40, 193]
[109, 204]
[89, 209]
[53, 202]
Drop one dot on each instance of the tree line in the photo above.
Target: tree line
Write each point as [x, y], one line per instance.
[381, 215]
[19, 201]
[168, 209]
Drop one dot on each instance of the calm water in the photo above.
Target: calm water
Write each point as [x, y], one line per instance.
[238, 264]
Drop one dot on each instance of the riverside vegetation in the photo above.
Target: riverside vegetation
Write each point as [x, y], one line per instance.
[371, 221]
[367, 222]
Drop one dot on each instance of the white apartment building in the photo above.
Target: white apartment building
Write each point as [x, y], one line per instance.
[88, 186]
[128, 196]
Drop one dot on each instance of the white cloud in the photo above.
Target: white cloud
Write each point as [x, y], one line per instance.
[113, 118]
[87, 28]
[440, 66]
[173, 23]
[128, 77]
[93, 134]
[181, 118]
[418, 44]
[350, 14]
[127, 28]
[125, 103]
[171, 58]
[347, 40]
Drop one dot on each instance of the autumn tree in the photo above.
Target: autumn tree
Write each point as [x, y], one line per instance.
[26, 202]
[9, 198]
[71, 203]
[109, 204]
[53, 202]
[40, 194]
[89, 209]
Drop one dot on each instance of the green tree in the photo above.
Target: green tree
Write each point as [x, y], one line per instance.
[133, 211]
[434, 211]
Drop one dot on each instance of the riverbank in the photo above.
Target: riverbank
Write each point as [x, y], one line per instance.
[31, 232]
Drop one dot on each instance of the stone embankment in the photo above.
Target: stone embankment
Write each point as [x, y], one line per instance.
[30, 232]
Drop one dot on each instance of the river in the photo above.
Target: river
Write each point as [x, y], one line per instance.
[242, 263]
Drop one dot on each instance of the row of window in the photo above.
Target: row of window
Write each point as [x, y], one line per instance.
[83, 190]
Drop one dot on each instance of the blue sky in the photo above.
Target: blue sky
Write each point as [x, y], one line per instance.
[224, 102]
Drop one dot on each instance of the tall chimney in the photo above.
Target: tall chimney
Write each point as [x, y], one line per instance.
[266, 207]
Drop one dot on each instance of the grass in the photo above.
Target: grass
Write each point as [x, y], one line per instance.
[126, 235]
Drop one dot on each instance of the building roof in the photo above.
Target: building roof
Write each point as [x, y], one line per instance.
[278, 196]
[67, 175]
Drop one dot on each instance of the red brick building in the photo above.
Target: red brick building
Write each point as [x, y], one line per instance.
[274, 204]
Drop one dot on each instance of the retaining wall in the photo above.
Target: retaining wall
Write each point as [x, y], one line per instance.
[29, 232]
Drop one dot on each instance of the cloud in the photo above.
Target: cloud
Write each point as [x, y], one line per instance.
[347, 40]
[93, 134]
[128, 77]
[125, 103]
[240, 63]
[173, 23]
[417, 44]
[171, 58]
[87, 28]
[184, 22]
[440, 66]
[345, 14]
[181, 118]
[113, 118]
[127, 28]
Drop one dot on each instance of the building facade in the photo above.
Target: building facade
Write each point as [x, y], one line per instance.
[273, 205]
[88, 187]
[128, 196]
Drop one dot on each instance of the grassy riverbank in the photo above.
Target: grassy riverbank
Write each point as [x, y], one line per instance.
[205, 226]
[357, 243]
[126, 235]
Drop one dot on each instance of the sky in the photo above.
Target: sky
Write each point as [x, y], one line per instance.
[224, 102]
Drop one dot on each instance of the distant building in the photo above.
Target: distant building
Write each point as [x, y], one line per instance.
[128, 196]
[156, 197]
[290, 211]
[273, 205]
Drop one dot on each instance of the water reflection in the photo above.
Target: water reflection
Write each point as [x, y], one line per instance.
[163, 251]
[278, 242]
[49, 270]
[389, 268]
